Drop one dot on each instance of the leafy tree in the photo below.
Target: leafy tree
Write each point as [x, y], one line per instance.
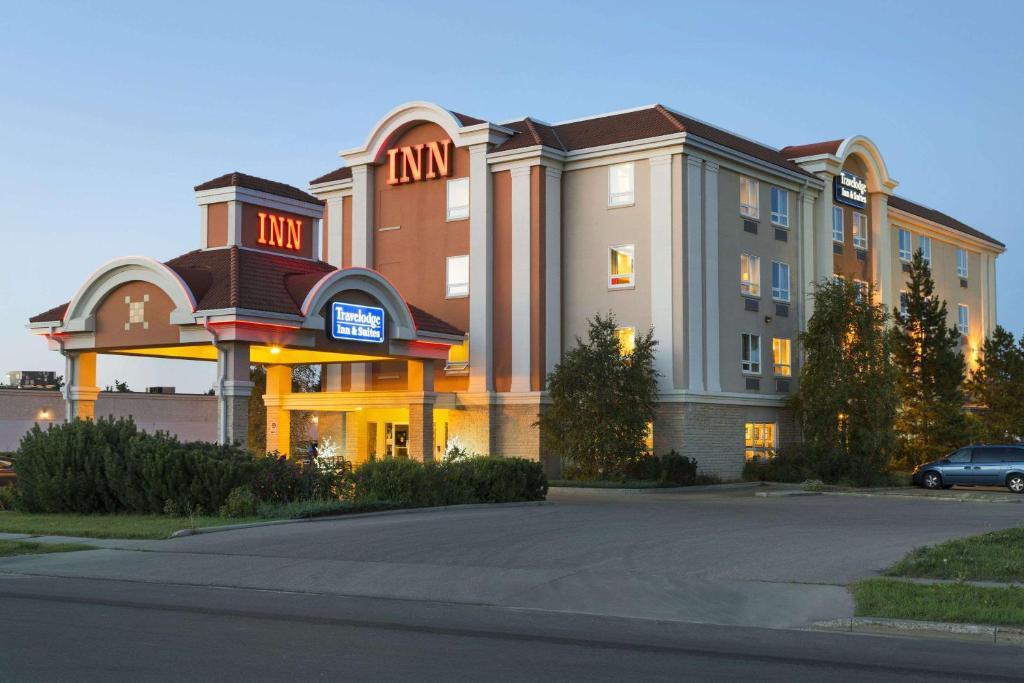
[931, 419]
[304, 378]
[997, 386]
[846, 403]
[602, 401]
[58, 382]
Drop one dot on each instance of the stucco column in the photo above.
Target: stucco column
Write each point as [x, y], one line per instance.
[335, 229]
[521, 280]
[279, 385]
[694, 274]
[808, 237]
[481, 260]
[880, 249]
[233, 393]
[421, 410]
[712, 334]
[80, 390]
[363, 193]
[823, 262]
[661, 268]
[552, 267]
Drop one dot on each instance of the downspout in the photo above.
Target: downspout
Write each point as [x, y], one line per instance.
[222, 407]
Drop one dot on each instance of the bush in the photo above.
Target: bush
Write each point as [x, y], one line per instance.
[278, 480]
[398, 480]
[791, 464]
[241, 502]
[678, 469]
[671, 468]
[476, 480]
[7, 498]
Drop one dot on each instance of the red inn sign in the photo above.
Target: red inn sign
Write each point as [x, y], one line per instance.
[279, 231]
[424, 161]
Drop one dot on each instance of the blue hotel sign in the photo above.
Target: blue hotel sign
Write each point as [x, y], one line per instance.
[851, 190]
[352, 322]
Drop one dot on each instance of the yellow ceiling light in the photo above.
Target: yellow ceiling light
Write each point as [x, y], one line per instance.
[275, 350]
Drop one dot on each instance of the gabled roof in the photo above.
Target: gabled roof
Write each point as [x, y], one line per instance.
[936, 216]
[343, 173]
[798, 151]
[236, 179]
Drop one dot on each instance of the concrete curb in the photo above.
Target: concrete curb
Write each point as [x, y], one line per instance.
[356, 515]
[664, 489]
[786, 493]
[974, 498]
[1000, 635]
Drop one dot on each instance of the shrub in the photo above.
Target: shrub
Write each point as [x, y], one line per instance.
[7, 498]
[241, 502]
[475, 480]
[645, 468]
[277, 480]
[678, 469]
[791, 464]
[399, 481]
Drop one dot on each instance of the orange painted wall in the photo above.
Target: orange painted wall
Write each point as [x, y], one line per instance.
[847, 264]
[217, 225]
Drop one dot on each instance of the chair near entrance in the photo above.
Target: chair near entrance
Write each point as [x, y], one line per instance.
[983, 465]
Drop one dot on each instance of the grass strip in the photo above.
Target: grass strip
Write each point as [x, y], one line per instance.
[12, 548]
[995, 556]
[951, 602]
[105, 526]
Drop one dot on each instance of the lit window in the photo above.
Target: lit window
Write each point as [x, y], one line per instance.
[904, 303]
[620, 266]
[906, 250]
[620, 184]
[750, 275]
[780, 207]
[750, 354]
[781, 356]
[860, 230]
[759, 440]
[627, 339]
[963, 318]
[837, 224]
[780, 281]
[925, 244]
[862, 289]
[458, 199]
[457, 277]
[961, 263]
[748, 197]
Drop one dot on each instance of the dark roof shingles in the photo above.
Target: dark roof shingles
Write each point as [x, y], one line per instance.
[797, 151]
[343, 173]
[250, 182]
[55, 314]
[935, 216]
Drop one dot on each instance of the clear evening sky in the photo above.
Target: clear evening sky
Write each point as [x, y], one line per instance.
[112, 112]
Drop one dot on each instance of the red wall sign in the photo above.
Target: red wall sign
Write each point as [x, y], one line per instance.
[279, 231]
[418, 162]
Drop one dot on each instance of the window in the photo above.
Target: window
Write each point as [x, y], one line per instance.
[457, 277]
[781, 357]
[963, 318]
[748, 197]
[837, 224]
[620, 266]
[860, 230]
[627, 339]
[751, 354]
[780, 281]
[906, 250]
[620, 185]
[458, 199]
[780, 207]
[962, 455]
[961, 263]
[925, 244]
[759, 440]
[904, 302]
[862, 289]
[750, 275]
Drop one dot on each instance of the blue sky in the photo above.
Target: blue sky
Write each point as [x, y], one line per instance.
[112, 112]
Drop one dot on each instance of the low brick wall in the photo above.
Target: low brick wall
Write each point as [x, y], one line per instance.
[190, 417]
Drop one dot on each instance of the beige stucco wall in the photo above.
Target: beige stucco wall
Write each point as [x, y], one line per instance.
[589, 228]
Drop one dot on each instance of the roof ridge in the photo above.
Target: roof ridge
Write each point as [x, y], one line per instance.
[533, 130]
[664, 111]
[234, 296]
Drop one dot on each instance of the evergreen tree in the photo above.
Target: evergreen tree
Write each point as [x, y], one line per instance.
[997, 386]
[931, 419]
[846, 403]
[602, 401]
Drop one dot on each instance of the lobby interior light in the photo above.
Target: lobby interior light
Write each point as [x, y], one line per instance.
[274, 350]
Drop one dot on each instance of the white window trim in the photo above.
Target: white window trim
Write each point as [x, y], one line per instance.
[923, 240]
[612, 204]
[447, 285]
[962, 273]
[899, 301]
[842, 225]
[785, 193]
[759, 452]
[756, 215]
[863, 237]
[908, 255]
[754, 283]
[967, 309]
[447, 200]
[789, 279]
[760, 357]
[608, 262]
[789, 365]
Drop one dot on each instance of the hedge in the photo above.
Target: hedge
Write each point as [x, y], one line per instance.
[475, 480]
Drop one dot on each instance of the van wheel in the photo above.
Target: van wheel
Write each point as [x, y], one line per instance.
[933, 480]
[1015, 482]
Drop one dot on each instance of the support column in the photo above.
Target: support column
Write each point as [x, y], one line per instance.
[807, 238]
[335, 228]
[823, 261]
[233, 391]
[712, 334]
[481, 261]
[661, 268]
[421, 410]
[279, 385]
[362, 248]
[80, 390]
[521, 277]
[552, 267]
[694, 274]
[880, 248]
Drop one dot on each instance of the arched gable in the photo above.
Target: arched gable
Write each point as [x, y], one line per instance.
[401, 325]
[866, 151]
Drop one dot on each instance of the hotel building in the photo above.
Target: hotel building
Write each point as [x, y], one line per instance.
[439, 274]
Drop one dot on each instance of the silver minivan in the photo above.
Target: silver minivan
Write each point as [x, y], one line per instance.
[975, 466]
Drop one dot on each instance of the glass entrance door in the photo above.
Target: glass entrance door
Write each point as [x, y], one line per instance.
[396, 440]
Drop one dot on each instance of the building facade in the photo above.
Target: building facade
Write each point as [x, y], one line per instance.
[486, 247]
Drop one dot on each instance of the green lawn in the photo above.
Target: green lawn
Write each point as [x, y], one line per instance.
[104, 526]
[995, 556]
[11, 548]
[951, 602]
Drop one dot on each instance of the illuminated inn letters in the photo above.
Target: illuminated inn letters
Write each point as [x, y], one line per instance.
[440, 272]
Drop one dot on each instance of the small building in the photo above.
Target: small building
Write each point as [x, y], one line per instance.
[31, 379]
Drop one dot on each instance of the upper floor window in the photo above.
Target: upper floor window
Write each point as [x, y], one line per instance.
[620, 266]
[904, 302]
[750, 275]
[780, 207]
[860, 230]
[781, 357]
[457, 277]
[862, 289]
[780, 281]
[837, 224]
[906, 249]
[963, 318]
[748, 197]
[961, 263]
[627, 339]
[750, 354]
[620, 184]
[458, 199]
[925, 244]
